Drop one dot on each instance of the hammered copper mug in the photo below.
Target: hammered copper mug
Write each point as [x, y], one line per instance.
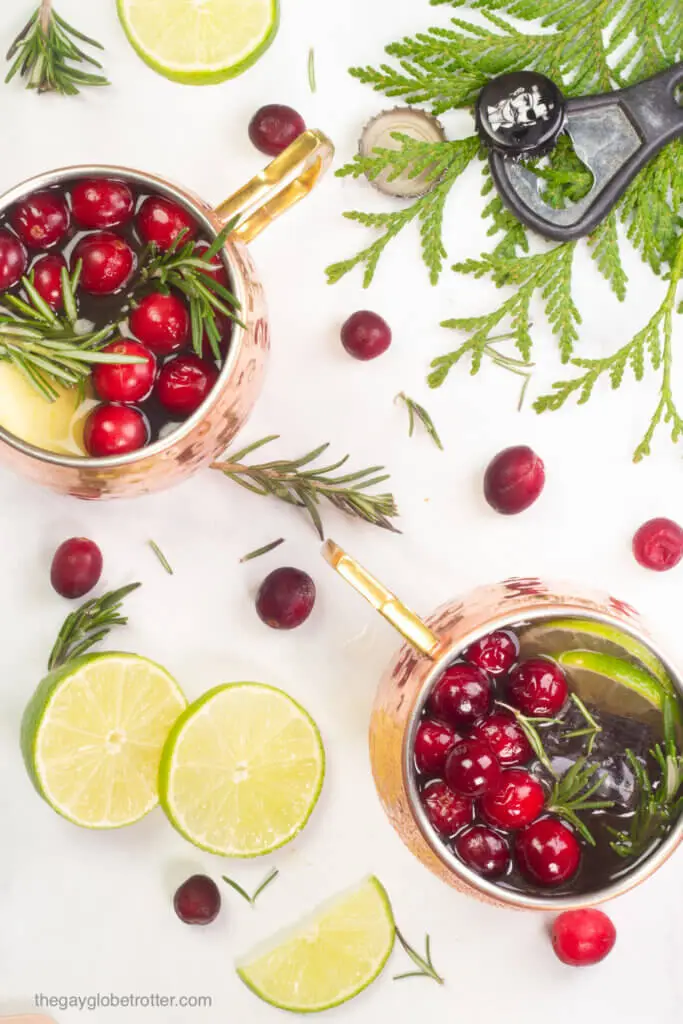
[289, 178]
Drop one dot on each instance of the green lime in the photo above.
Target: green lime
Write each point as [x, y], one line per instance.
[200, 42]
[242, 770]
[328, 958]
[615, 685]
[92, 737]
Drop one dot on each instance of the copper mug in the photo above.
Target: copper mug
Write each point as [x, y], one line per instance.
[431, 646]
[202, 437]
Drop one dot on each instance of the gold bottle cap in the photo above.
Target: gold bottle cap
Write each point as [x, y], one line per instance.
[378, 133]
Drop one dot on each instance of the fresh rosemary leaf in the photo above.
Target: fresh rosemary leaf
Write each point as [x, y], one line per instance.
[265, 550]
[528, 726]
[419, 412]
[424, 964]
[161, 556]
[572, 794]
[88, 625]
[270, 877]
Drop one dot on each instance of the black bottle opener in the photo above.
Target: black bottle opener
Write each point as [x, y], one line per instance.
[522, 114]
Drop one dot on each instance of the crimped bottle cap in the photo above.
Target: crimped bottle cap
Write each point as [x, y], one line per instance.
[520, 114]
[377, 134]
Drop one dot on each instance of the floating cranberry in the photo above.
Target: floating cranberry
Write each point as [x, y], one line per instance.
[274, 127]
[13, 260]
[548, 852]
[285, 598]
[433, 743]
[506, 738]
[114, 430]
[517, 801]
[41, 220]
[76, 567]
[495, 653]
[46, 273]
[162, 322]
[125, 382]
[198, 900]
[471, 769]
[514, 479]
[108, 262]
[582, 938]
[446, 810]
[538, 687]
[462, 695]
[658, 544]
[484, 851]
[184, 383]
[365, 335]
[160, 221]
[101, 203]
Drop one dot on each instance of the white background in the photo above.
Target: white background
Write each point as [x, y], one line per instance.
[85, 912]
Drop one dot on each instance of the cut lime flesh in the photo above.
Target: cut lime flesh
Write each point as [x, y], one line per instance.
[328, 958]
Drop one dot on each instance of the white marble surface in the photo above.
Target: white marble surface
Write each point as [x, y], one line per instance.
[84, 912]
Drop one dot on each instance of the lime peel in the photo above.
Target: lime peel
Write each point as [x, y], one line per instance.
[622, 672]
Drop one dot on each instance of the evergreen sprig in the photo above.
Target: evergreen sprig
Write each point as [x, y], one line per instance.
[88, 625]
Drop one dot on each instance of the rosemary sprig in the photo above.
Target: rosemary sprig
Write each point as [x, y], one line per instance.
[45, 52]
[270, 877]
[659, 804]
[311, 71]
[291, 482]
[265, 550]
[572, 794]
[425, 965]
[419, 412]
[161, 556]
[89, 624]
[528, 726]
[477, 348]
[592, 728]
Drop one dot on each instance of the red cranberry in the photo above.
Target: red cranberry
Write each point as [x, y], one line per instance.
[483, 850]
[114, 430]
[446, 810]
[471, 768]
[101, 203]
[162, 322]
[658, 545]
[198, 900]
[517, 802]
[495, 653]
[108, 262]
[76, 567]
[184, 383]
[285, 598]
[365, 335]
[274, 127]
[583, 937]
[538, 687]
[160, 221]
[13, 260]
[433, 743]
[513, 480]
[224, 325]
[548, 852]
[125, 382]
[46, 274]
[41, 220]
[462, 695]
[506, 739]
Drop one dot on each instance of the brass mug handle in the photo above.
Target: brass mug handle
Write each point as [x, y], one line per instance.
[409, 625]
[286, 180]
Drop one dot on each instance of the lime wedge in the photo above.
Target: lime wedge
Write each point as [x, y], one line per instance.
[328, 958]
[53, 426]
[615, 685]
[92, 737]
[242, 770]
[200, 42]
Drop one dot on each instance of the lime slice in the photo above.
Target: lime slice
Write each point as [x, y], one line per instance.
[200, 42]
[92, 737]
[328, 958]
[242, 770]
[615, 685]
[53, 426]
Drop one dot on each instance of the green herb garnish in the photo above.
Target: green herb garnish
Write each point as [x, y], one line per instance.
[425, 965]
[418, 412]
[265, 550]
[572, 794]
[88, 625]
[161, 556]
[270, 877]
[528, 727]
[592, 728]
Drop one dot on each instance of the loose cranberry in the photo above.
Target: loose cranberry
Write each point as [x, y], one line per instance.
[483, 850]
[161, 322]
[365, 335]
[658, 544]
[274, 127]
[538, 687]
[76, 567]
[46, 273]
[13, 260]
[160, 221]
[101, 203]
[462, 695]
[514, 479]
[517, 801]
[446, 810]
[184, 383]
[285, 598]
[125, 382]
[471, 768]
[506, 739]
[108, 262]
[548, 852]
[582, 938]
[114, 430]
[198, 900]
[433, 743]
[41, 220]
[495, 653]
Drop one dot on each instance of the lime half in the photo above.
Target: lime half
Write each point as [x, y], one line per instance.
[328, 958]
[92, 737]
[199, 42]
[242, 770]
